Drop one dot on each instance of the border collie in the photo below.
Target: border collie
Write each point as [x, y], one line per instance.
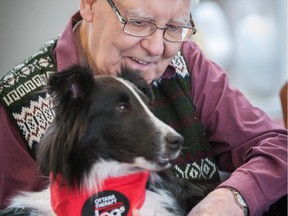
[105, 151]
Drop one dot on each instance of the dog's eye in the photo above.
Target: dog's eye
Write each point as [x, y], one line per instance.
[122, 107]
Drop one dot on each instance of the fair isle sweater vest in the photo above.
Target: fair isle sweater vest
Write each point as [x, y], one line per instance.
[21, 94]
[174, 106]
[31, 111]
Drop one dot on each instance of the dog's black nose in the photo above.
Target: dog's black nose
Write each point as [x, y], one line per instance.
[175, 141]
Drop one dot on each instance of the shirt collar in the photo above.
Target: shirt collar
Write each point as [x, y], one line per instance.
[66, 51]
[169, 72]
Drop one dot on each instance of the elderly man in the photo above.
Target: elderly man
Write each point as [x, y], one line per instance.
[222, 130]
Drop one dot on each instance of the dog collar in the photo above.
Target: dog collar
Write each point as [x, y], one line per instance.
[118, 196]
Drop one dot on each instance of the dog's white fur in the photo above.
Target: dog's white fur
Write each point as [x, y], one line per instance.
[34, 200]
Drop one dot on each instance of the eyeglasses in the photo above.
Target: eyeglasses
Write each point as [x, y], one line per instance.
[144, 28]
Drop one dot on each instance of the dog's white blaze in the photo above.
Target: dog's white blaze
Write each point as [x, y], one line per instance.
[157, 122]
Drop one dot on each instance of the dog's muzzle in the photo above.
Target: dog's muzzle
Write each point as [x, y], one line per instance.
[174, 142]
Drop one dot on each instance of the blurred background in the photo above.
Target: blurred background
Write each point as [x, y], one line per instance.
[248, 38]
[25, 25]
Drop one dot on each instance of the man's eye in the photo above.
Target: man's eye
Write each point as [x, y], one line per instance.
[173, 28]
[139, 23]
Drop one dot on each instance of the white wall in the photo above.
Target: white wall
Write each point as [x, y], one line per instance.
[27, 24]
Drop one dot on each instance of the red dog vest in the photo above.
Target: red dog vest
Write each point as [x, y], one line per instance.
[118, 196]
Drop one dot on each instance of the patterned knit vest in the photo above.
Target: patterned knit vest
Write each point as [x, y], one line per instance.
[21, 94]
[31, 110]
[174, 106]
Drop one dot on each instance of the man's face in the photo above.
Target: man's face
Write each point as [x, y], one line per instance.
[107, 46]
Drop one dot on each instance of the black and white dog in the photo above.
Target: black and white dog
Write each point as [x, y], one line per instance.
[105, 152]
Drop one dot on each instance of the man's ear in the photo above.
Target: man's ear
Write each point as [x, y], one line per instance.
[86, 9]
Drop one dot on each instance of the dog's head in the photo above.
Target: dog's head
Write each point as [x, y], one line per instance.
[104, 119]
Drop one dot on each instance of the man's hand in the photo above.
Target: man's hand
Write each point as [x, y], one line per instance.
[219, 202]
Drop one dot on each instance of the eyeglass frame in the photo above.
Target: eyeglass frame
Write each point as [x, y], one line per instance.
[124, 21]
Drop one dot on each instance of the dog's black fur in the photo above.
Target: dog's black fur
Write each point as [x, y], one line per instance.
[106, 119]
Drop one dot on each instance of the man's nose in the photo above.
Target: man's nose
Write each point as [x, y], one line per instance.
[154, 43]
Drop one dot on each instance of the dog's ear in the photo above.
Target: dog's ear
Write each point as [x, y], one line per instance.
[74, 82]
[135, 77]
[70, 90]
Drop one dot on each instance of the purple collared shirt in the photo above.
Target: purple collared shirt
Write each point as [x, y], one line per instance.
[245, 141]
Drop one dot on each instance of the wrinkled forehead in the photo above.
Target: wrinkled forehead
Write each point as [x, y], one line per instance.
[174, 10]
